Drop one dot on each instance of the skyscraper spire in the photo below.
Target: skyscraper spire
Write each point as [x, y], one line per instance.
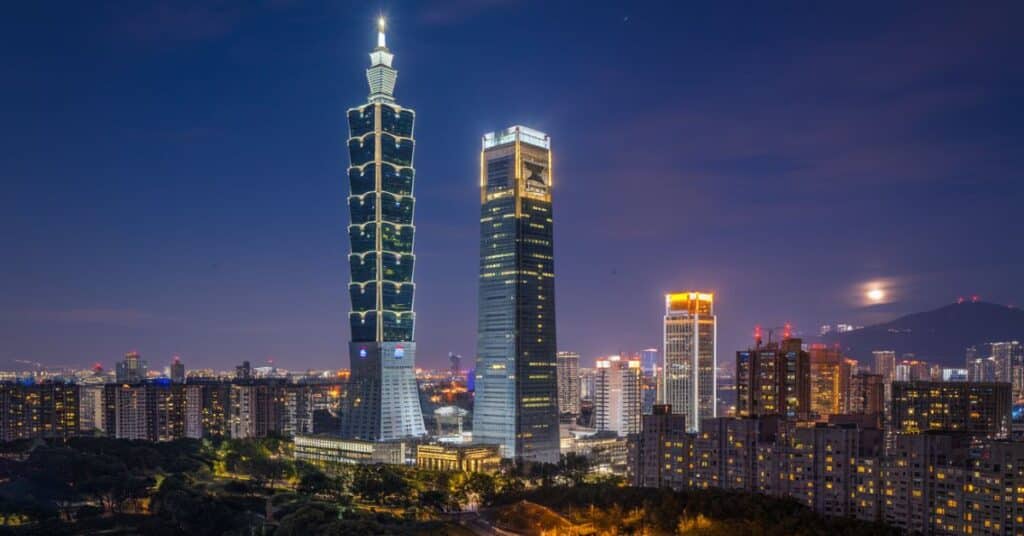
[381, 75]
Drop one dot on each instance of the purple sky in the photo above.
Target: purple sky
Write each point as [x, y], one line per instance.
[174, 172]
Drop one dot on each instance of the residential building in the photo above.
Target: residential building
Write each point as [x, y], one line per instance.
[830, 377]
[980, 409]
[568, 383]
[1008, 358]
[46, 410]
[617, 396]
[773, 379]
[866, 394]
[660, 456]
[154, 410]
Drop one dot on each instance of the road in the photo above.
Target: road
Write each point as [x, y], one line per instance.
[480, 526]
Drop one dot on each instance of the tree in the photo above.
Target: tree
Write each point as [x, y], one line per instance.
[574, 467]
[317, 483]
[380, 483]
[309, 519]
[269, 471]
[438, 500]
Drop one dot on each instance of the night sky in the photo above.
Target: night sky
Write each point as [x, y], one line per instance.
[174, 173]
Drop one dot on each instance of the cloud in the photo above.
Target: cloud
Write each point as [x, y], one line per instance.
[114, 317]
[823, 124]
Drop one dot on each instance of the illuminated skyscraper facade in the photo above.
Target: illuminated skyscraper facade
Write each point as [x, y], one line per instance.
[830, 379]
[1008, 362]
[516, 401]
[569, 383]
[383, 402]
[689, 357]
[617, 395]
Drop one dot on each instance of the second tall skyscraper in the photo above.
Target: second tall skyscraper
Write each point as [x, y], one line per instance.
[516, 404]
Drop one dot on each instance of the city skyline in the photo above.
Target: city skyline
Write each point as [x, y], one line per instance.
[232, 254]
[195, 182]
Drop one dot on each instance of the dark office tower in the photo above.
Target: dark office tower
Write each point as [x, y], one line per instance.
[383, 402]
[773, 379]
[456, 363]
[177, 370]
[516, 404]
[132, 369]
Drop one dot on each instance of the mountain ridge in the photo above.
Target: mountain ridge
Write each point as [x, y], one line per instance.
[938, 336]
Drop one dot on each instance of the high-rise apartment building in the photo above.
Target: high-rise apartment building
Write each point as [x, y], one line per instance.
[618, 395]
[773, 379]
[980, 369]
[912, 370]
[252, 411]
[885, 364]
[981, 409]
[209, 408]
[383, 399]
[516, 403]
[830, 376]
[663, 438]
[48, 410]
[1008, 358]
[568, 383]
[154, 410]
[587, 379]
[90, 407]
[866, 394]
[689, 358]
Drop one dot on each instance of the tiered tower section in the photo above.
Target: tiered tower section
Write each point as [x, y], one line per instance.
[383, 401]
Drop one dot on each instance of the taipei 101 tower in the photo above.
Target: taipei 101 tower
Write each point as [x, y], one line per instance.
[383, 401]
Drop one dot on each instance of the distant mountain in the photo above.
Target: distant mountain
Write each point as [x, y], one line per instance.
[938, 336]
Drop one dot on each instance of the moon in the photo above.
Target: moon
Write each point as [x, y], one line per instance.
[875, 295]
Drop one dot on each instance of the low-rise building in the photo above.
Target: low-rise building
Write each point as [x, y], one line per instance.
[325, 451]
[468, 458]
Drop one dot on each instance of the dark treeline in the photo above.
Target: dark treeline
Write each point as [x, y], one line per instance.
[624, 510]
[254, 486]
